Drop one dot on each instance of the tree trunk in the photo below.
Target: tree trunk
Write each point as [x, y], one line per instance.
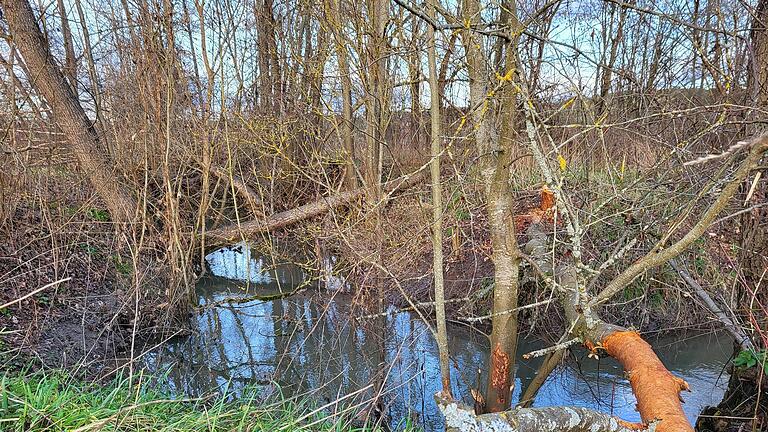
[607, 69]
[437, 209]
[754, 224]
[88, 51]
[460, 418]
[70, 64]
[495, 171]
[334, 11]
[70, 116]
[269, 71]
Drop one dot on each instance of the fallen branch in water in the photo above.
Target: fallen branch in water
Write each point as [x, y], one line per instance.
[280, 220]
[236, 300]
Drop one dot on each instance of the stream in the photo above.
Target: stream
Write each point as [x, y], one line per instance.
[312, 344]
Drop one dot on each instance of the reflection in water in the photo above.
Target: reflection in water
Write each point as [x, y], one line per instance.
[309, 343]
[237, 262]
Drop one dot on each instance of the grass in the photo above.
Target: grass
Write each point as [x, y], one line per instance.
[55, 401]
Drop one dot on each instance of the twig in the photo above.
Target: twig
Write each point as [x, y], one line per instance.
[711, 157]
[10, 303]
[553, 348]
[517, 309]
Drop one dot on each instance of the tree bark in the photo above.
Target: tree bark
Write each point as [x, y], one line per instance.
[70, 116]
[460, 418]
[270, 83]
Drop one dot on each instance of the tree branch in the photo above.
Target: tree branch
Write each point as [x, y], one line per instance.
[656, 258]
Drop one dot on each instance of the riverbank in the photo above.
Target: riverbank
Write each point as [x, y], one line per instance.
[90, 319]
[88, 324]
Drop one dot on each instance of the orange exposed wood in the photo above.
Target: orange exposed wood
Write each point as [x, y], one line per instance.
[547, 199]
[545, 211]
[500, 373]
[657, 391]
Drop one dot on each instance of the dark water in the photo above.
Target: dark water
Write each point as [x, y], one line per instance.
[310, 344]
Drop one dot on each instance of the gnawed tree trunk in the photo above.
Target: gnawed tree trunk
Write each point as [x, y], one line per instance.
[656, 389]
[45, 76]
[248, 229]
[497, 151]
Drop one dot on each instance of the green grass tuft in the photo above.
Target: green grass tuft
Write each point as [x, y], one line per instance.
[55, 401]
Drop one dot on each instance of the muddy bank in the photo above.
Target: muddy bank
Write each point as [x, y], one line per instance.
[85, 323]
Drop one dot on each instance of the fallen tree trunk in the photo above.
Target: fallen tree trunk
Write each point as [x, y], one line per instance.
[462, 418]
[238, 231]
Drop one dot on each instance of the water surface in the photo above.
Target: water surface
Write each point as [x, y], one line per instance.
[315, 343]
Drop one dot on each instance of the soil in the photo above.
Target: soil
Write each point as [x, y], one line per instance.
[82, 323]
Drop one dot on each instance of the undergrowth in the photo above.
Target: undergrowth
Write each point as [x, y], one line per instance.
[55, 401]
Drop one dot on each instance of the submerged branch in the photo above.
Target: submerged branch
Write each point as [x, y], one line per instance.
[741, 338]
